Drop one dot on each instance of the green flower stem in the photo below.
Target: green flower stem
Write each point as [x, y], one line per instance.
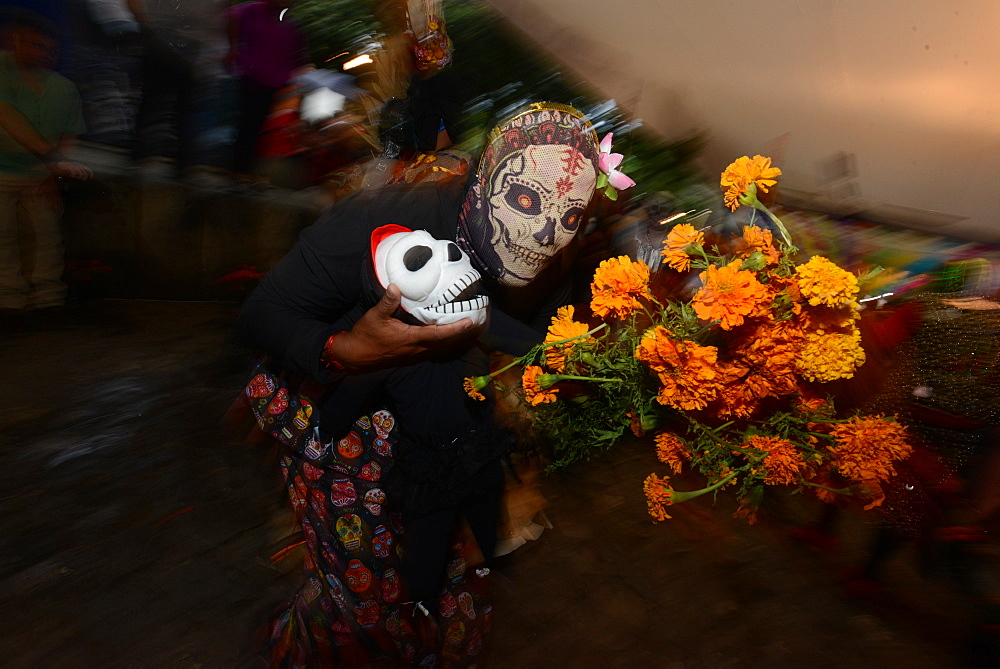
[568, 377]
[504, 369]
[777, 221]
[678, 496]
[563, 341]
[701, 250]
[531, 356]
[652, 319]
[748, 451]
[809, 449]
[840, 491]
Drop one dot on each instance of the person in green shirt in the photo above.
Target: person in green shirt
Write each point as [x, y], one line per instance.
[40, 115]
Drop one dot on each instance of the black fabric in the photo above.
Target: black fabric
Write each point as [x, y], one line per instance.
[165, 120]
[435, 102]
[255, 103]
[295, 307]
[427, 535]
[449, 451]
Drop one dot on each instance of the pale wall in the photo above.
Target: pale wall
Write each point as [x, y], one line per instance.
[908, 90]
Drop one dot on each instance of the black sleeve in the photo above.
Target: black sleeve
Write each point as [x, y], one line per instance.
[296, 307]
[298, 304]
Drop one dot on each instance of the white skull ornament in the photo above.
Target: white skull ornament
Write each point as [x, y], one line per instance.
[438, 284]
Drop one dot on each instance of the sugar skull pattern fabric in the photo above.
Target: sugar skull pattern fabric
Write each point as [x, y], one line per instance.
[349, 610]
[533, 184]
[281, 412]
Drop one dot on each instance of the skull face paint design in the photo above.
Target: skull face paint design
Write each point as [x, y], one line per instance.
[534, 210]
[530, 192]
[435, 278]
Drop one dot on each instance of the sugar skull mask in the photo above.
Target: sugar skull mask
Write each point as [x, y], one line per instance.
[534, 182]
[438, 284]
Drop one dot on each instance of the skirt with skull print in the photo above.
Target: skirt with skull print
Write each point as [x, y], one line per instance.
[351, 610]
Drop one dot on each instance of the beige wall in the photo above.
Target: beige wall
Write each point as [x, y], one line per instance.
[887, 106]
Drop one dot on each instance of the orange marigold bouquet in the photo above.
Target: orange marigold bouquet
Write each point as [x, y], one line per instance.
[728, 382]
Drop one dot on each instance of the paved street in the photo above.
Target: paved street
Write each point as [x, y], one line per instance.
[136, 529]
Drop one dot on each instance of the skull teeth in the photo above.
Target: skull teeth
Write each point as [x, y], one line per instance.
[475, 304]
[463, 282]
[528, 255]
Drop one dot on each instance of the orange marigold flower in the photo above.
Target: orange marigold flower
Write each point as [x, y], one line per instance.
[758, 239]
[783, 461]
[533, 391]
[825, 479]
[747, 511]
[823, 282]
[866, 448]
[826, 357]
[474, 384]
[767, 355]
[736, 398]
[675, 246]
[829, 318]
[671, 450]
[683, 234]
[618, 283]
[687, 371]
[677, 259]
[814, 405]
[635, 423]
[564, 327]
[771, 345]
[740, 399]
[738, 177]
[871, 490]
[729, 294]
[658, 494]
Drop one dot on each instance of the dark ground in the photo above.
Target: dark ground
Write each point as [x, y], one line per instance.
[136, 530]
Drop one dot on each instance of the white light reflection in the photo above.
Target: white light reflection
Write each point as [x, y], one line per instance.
[357, 60]
[669, 219]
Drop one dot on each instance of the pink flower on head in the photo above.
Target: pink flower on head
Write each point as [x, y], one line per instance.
[608, 163]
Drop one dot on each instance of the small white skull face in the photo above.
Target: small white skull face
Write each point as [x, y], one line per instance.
[537, 200]
[436, 279]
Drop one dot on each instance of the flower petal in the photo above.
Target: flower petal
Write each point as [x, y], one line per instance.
[620, 180]
[604, 162]
[606, 143]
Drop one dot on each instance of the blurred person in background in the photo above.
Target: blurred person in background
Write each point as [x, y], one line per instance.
[106, 61]
[175, 100]
[40, 116]
[266, 50]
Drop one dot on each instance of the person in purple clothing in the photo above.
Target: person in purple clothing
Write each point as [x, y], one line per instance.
[266, 50]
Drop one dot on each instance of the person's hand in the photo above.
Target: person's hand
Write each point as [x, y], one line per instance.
[69, 170]
[379, 339]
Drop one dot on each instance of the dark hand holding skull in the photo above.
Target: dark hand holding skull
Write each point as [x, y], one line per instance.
[379, 339]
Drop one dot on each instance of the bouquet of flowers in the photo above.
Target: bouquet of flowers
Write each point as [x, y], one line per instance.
[729, 382]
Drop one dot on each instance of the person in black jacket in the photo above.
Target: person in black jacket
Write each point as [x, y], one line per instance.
[423, 453]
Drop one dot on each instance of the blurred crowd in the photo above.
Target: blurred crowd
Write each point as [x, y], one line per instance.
[210, 93]
[217, 92]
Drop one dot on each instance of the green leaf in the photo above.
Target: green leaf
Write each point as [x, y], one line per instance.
[611, 193]
[602, 180]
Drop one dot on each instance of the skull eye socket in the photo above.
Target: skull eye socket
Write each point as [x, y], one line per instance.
[571, 219]
[523, 199]
[416, 257]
